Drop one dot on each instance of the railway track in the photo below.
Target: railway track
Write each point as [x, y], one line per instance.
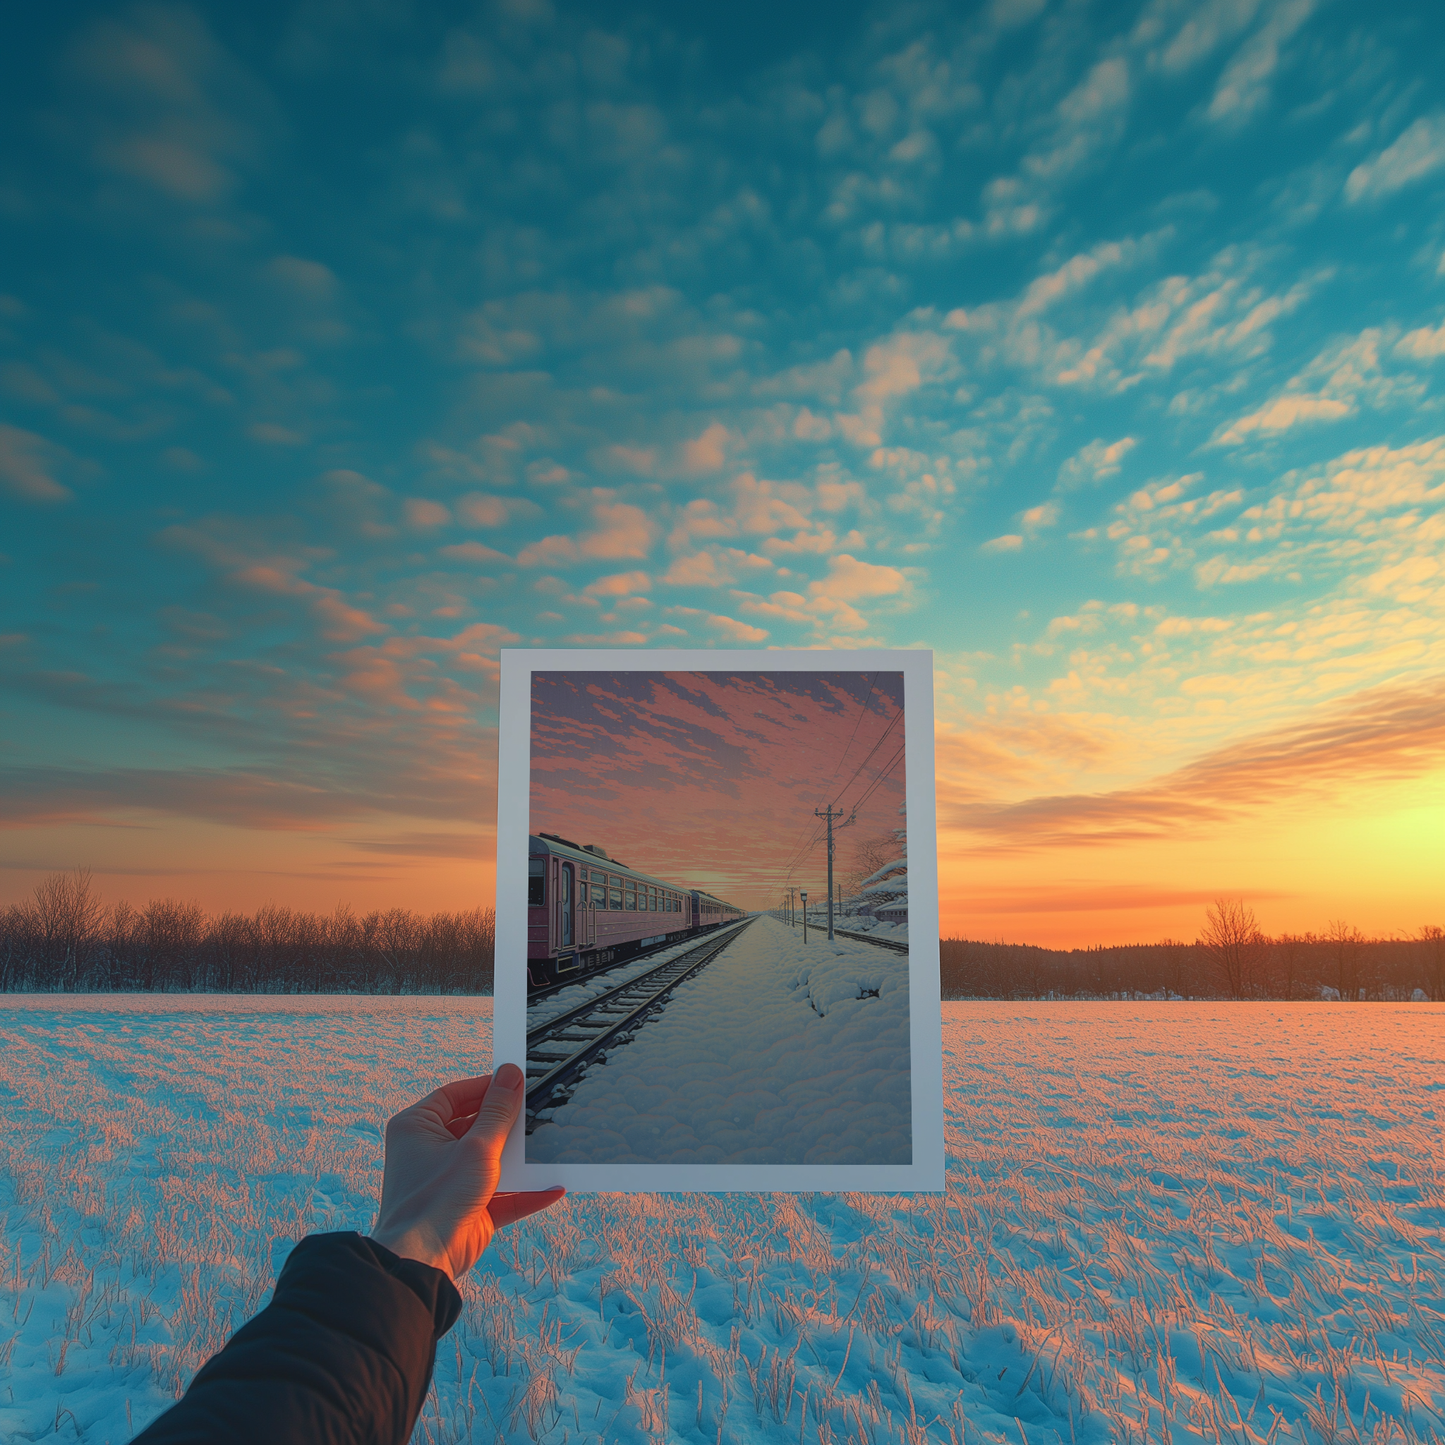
[571, 980]
[893, 943]
[559, 1050]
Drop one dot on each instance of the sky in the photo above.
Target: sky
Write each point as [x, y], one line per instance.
[1098, 348]
[712, 780]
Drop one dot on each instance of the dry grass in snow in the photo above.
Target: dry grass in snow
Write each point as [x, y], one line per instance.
[1164, 1221]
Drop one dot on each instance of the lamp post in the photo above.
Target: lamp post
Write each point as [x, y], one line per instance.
[803, 894]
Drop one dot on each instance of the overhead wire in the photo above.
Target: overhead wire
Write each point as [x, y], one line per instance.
[872, 787]
[819, 830]
[878, 780]
[802, 850]
[882, 737]
[843, 757]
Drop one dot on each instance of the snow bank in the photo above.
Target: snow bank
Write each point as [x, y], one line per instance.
[779, 1052]
[833, 974]
[898, 932]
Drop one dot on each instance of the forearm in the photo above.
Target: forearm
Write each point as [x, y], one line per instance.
[342, 1355]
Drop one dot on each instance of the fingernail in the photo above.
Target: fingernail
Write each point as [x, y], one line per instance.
[509, 1078]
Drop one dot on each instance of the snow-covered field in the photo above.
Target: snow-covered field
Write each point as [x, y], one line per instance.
[778, 1052]
[1164, 1220]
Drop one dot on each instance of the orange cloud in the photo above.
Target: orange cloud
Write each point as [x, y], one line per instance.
[1385, 735]
[621, 532]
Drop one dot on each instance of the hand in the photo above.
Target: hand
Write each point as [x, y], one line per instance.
[443, 1159]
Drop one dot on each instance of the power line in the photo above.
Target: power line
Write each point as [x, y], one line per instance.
[802, 850]
[872, 688]
[867, 793]
[873, 786]
[892, 723]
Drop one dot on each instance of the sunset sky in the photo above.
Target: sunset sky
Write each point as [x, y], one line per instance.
[712, 780]
[1099, 348]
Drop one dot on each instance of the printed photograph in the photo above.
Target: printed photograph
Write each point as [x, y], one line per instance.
[717, 919]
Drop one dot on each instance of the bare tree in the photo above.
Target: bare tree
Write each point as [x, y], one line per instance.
[171, 933]
[1432, 939]
[66, 916]
[868, 856]
[1346, 944]
[397, 937]
[1289, 954]
[1234, 944]
[230, 944]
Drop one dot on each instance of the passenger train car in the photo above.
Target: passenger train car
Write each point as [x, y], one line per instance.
[586, 910]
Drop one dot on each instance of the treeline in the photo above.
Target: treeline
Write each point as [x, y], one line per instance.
[66, 939]
[1340, 963]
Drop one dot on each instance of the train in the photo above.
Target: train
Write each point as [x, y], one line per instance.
[587, 911]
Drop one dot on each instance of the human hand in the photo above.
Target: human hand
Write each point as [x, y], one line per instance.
[443, 1159]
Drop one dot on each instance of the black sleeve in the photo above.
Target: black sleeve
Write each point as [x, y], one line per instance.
[342, 1355]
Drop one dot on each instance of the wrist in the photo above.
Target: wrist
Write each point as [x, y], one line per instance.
[413, 1244]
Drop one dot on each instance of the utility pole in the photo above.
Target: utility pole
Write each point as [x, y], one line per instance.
[792, 909]
[830, 815]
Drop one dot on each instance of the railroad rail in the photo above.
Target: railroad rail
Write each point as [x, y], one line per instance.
[560, 1049]
[897, 945]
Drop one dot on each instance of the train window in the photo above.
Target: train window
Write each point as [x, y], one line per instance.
[599, 893]
[632, 897]
[652, 900]
[615, 890]
[536, 882]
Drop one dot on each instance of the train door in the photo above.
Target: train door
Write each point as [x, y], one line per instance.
[567, 891]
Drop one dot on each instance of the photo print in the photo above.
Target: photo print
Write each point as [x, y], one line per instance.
[717, 936]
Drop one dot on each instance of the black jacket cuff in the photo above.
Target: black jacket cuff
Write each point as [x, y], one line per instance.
[342, 1355]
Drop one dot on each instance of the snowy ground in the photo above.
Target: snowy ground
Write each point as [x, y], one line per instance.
[778, 1052]
[1164, 1221]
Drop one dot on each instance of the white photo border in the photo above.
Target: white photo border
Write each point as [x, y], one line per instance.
[509, 1018]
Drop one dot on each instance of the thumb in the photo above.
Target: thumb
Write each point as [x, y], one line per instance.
[498, 1112]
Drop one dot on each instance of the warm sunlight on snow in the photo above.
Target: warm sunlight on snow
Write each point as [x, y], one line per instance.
[1224, 1217]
